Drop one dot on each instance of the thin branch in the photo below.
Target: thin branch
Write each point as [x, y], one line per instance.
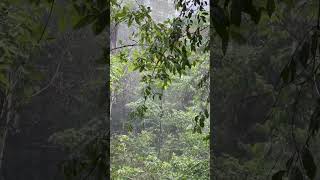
[47, 22]
[49, 84]
[125, 46]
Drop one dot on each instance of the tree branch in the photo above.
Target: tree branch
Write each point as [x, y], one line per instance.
[124, 46]
[48, 85]
[46, 25]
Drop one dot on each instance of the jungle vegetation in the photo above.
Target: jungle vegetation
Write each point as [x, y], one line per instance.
[226, 89]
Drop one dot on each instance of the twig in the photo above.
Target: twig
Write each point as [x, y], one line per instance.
[46, 25]
[48, 85]
[124, 46]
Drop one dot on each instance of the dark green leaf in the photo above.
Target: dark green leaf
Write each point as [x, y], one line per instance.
[130, 128]
[206, 113]
[130, 21]
[201, 123]
[207, 138]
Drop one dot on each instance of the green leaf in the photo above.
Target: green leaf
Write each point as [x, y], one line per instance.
[206, 113]
[130, 128]
[201, 121]
[271, 6]
[130, 21]
[278, 175]
[308, 163]
[206, 138]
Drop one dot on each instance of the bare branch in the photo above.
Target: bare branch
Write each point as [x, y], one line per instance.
[46, 25]
[49, 84]
[124, 46]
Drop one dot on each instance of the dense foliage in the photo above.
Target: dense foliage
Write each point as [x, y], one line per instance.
[161, 142]
[271, 93]
[264, 95]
